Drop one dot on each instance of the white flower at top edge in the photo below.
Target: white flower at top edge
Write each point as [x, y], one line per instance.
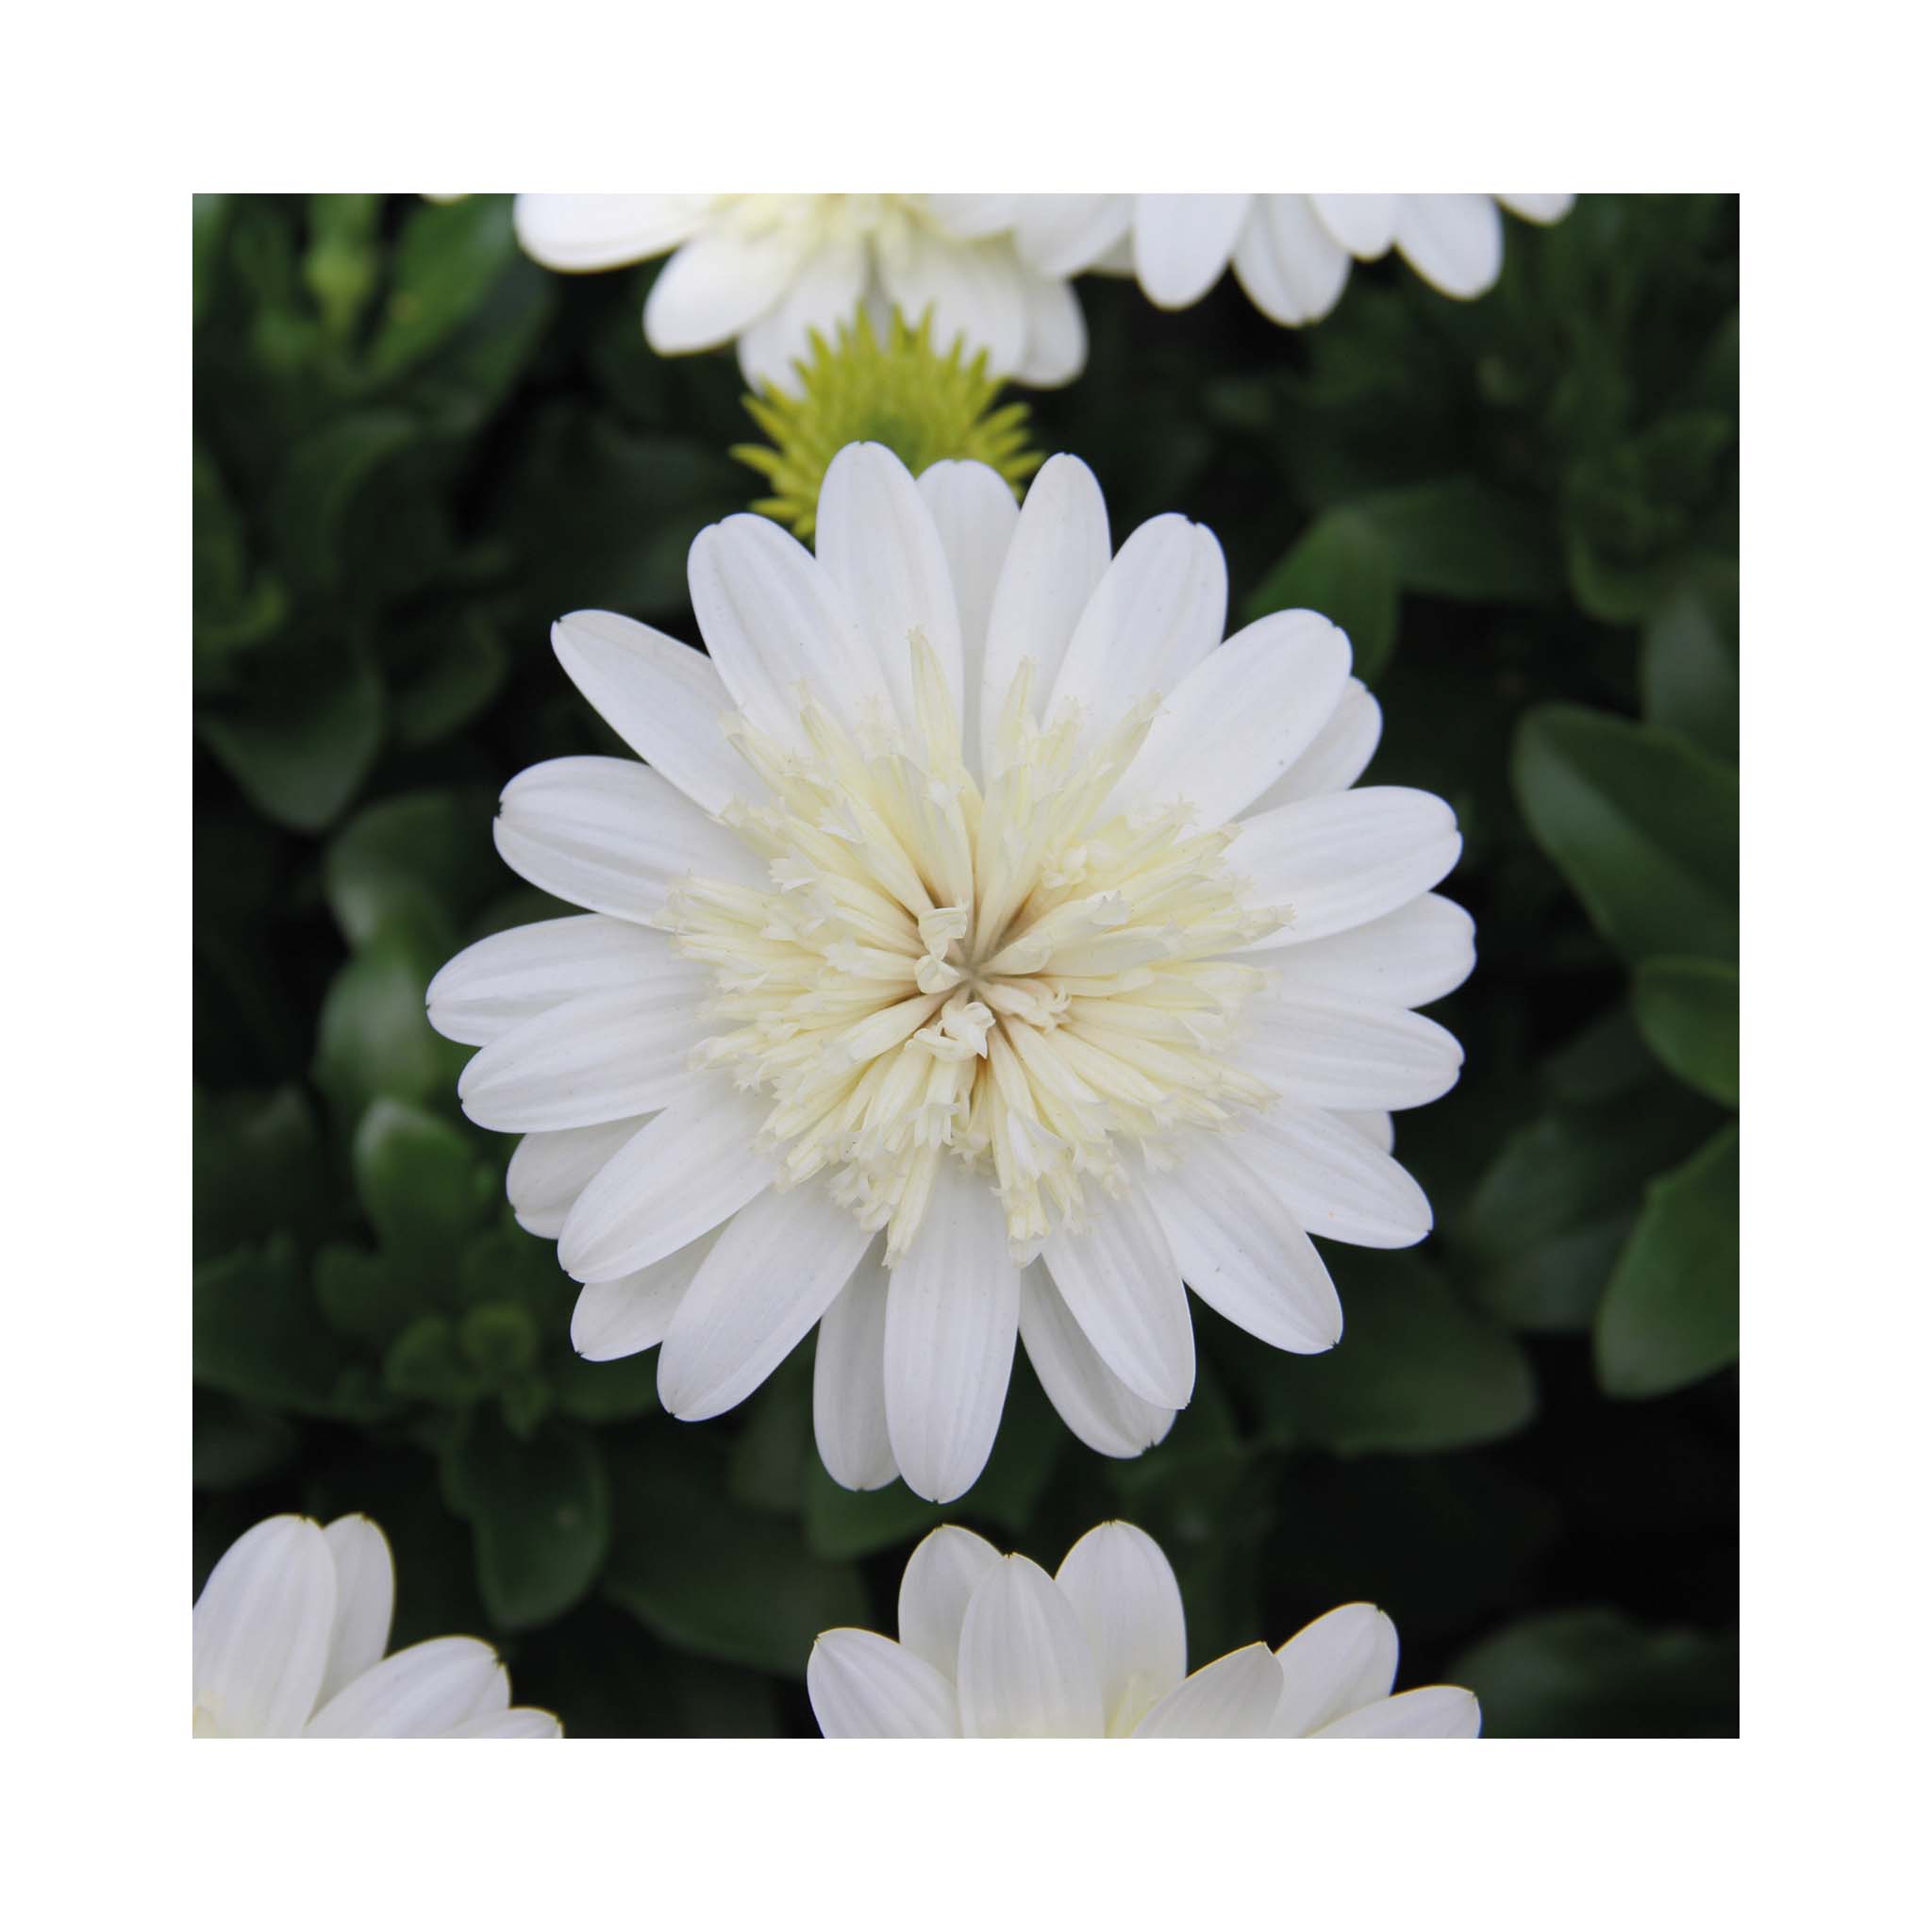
[766, 270]
[289, 1631]
[992, 1646]
[985, 948]
[1291, 253]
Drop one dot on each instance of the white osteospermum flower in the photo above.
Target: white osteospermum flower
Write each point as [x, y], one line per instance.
[1291, 253]
[985, 948]
[289, 1631]
[992, 1646]
[766, 270]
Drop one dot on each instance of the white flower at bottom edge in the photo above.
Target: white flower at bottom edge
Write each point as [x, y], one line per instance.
[289, 1631]
[986, 950]
[766, 270]
[992, 1646]
[1291, 252]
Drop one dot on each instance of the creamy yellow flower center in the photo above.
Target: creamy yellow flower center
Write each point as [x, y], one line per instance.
[1023, 977]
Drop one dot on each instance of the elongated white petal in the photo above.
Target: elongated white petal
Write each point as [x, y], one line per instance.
[1539, 208]
[262, 1628]
[862, 1684]
[1055, 332]
[1124, 1287]
[1440, 1711]
[715, 284]
[878, 540]
[1339, 861]
[512, 976]
[975, 215]
[1377, 1129]
[826, 291]
[1182, 243]
[613, 835]
[1092, 1401]
[1239, 719]
[676, 1178]
[1405, 959]
[1233, 1697]
[774, 1273]
[971, 289]
[1292, 268]
[1123, 1590]
[941, 1577]
[848, 1386]
[974, 509]
[365, 1601]
[665, 700]
[1364, 223]
[1452, 241]
[1063, 234]
[1026, 1668]
[633, 1313]
[1333, 1180]
[1335, 1665]
[952, 1317]
[423, 1692]
[1243, 1251]
[548, 1171]
[1346, 1053]
[1336, 757]
[520, 1723]
[578, 232]
[1060, 551]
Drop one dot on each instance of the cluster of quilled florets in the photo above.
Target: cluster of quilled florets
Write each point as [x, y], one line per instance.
[1027, 977]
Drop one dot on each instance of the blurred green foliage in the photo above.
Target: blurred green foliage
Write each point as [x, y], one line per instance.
[414, 449]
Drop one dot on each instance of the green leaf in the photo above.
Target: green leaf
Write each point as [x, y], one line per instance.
[236, 606]
[361, 1296]
[1687, 1011]
[323, 476]
[421, 1185]
[1343, 567]
[1643, 825]
[1669, 1315]
[540, 1513]
[420, 863]
[210, 226]
[840, 1522]
[460, 678]
[340, 267]
[236, 1444]
[603, 1392]
[258, 1168]
[1460, 538]
[258, 1335]
[374, 1036]
[447, 260]
[424, 1363]
[1597, 1674]
[1689, 667]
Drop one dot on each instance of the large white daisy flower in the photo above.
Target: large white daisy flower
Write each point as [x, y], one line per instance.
[992, 1646]
[289, 1631]
[766, 270]
[985, 948]
[1291, 253]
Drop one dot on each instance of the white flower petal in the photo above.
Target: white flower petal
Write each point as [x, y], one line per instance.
[1338, 755]
[1055, 333]
[1378, 1129]
[1454, 241]
[676, 1178]
[423, 1692]
[952, 1316]
[1539, 208]
[548, 1171]
[848, 1384]
[828, 291]
[1063, 234]
[974, 215]
[1124, 1287]
[1335, 1665]
[262, 1626]
[972, 288]
[521, 1722]
[1336, 1183]
[577, 232]
[878, 540]
[862, 1684]
[1059, 552]
[1405, 959]
[1439, 1711]
[512, 976]
[1123, 1590]
[626, 1316]
[665, 700]
[774, 1273]
[1364, 223]
[941, 1577]
[1233, 1697]
[365, 1601]
[602, 1057]
[1346, 1053]
[1346, 859]
[716, 284]
[1238, 720]
[974, 509]
[1026, 1668]
[1291, 269]
[1243, 1251]
[1092, 1401]
[1182, 243]
[613, 835]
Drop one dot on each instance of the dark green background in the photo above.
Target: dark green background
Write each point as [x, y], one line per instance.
[414, 449]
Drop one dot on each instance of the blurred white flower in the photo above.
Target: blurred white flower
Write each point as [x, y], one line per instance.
[985, 948]
[289, 1631]
[766, 270]
[1291, 252]
[992, 1646]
